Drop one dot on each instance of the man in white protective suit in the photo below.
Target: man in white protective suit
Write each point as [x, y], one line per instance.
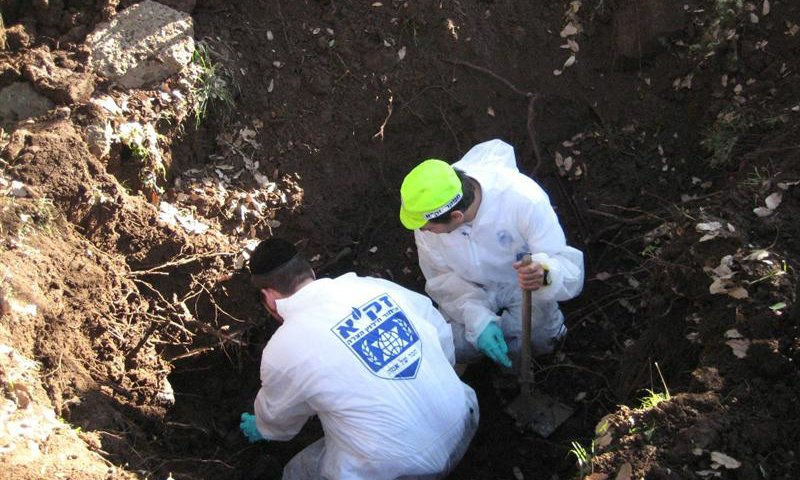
[473, 222]
[372, 359]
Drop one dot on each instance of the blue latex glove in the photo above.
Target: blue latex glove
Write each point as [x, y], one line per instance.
[248, 428]
[493, 344]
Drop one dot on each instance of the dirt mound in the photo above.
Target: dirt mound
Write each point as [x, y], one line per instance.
[665, 137]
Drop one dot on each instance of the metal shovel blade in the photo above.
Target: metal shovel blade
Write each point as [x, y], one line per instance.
[541, 413]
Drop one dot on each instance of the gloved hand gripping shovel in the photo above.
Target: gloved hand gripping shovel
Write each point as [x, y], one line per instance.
[531, 409]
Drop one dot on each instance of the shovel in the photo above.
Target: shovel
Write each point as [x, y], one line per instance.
[531, 409]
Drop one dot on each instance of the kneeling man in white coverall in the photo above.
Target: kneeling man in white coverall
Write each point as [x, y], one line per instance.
[473, 222]
[372, 359]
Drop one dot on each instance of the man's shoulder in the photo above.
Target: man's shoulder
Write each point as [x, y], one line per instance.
[492, 154]
[520, 187]
[513, 195]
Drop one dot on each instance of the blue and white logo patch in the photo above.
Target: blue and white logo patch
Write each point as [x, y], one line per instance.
[381, 336]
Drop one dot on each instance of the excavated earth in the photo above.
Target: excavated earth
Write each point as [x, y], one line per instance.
[666, 134]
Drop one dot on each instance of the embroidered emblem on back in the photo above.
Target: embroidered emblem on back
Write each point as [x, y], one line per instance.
[381, 336]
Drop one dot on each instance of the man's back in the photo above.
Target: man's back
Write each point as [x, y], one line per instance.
[366, 356]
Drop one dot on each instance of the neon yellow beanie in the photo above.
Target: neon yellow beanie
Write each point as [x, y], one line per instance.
[429, 190]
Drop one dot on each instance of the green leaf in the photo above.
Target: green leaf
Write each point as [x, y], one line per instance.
[777, 306]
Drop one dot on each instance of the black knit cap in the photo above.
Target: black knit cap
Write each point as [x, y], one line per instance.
[271, 254]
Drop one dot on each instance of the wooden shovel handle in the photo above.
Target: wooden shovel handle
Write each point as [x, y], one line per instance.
[525, 372]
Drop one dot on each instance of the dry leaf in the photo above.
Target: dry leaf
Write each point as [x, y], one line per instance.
[717, 287]
[603, 276]
[248, 135]
[762, 211]
[570, 61]
[708, 473]
[724, 269]
[570, 29]
[401, 54]
[765, 8]
[724, 460]
[738, 293]
[757, 255]
[733, 333]
[708, 226]
[604, 441]
[490, 111]
[596, 476]
[625, 472]
[739, 346]
[602, 425]
[773, 200]
[557, 72]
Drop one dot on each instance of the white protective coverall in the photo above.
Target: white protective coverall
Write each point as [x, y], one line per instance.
[469, 271]
[374, 361]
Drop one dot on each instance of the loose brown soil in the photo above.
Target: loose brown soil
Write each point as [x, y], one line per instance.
[146, 335]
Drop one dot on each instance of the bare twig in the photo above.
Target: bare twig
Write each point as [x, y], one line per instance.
[628, 221]
[192, 353]
[637, 210]
[532, 133]
[385, 120]
[154, 290]
[575, 210]
[177, 263]
[216, 305]
[531, 103]
[55, 370]
[449, 127]
[758, 152]
[201, 460]
[285, 29]
[577, 367]
[150, 331]
[580, 321]
[492, 74]
[333, 261]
